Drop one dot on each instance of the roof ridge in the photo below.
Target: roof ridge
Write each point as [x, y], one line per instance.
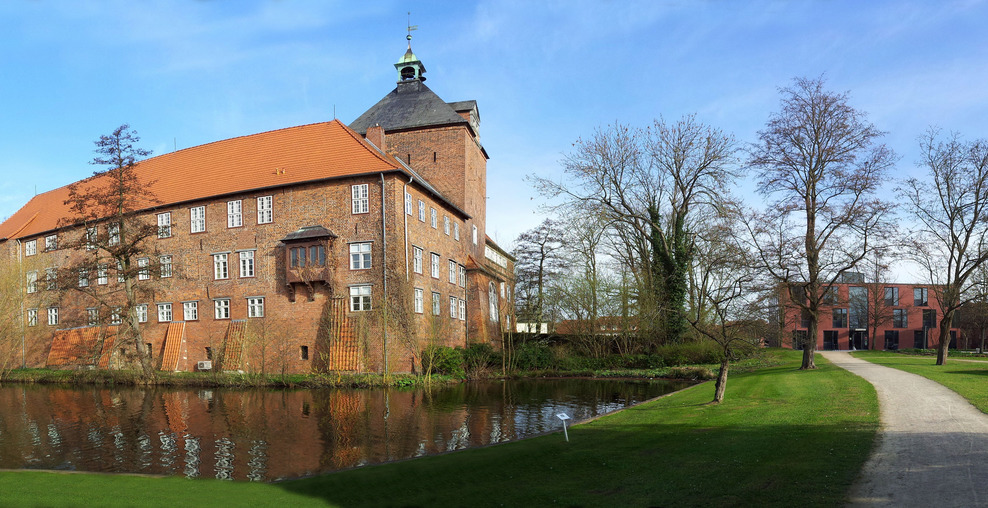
[364, 143]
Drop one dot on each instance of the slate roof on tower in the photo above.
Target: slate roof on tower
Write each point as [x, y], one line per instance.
[410, 105]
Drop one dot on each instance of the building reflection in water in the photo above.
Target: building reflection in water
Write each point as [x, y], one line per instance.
[268, 435]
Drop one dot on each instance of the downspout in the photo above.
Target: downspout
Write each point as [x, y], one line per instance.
[404, 213]
[384, 274]
[23, 276]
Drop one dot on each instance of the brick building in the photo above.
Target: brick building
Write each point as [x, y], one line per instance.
[277, 251]
[859, 315]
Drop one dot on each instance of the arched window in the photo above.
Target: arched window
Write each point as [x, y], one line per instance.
[492, 301]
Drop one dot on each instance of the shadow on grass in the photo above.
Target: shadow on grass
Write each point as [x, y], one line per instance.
[621, 465]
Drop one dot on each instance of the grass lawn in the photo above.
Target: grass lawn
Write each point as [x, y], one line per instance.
[967, 378]
[781, 438]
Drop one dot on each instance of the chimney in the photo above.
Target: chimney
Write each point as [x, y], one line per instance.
[375, 135]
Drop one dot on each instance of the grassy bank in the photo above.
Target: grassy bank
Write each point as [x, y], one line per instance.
[967, 378]
[782, 437]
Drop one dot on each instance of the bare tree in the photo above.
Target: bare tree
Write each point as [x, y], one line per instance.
[950, 206]
[652, 183]
[540, 263]
[819, 162]
[882, 296]
[109, 211]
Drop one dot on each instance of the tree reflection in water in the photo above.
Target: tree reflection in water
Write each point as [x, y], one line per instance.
[268, 435]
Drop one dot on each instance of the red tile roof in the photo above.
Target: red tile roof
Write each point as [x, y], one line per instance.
[269, 159]
[75, 346]
[174, 338]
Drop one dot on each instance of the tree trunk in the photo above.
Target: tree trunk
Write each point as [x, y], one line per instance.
[721, 385]
[809, 347]
[944, 335]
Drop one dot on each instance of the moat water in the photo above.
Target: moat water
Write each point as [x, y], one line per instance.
[264, 435]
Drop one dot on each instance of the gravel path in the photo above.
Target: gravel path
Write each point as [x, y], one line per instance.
[932, 448]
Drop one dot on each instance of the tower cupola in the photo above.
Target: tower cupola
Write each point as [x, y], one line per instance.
[410, 68]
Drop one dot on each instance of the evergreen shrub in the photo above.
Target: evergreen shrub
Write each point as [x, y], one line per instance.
[443, 360]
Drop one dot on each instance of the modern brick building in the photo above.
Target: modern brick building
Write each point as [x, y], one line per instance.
[859, 315]
[277, 251]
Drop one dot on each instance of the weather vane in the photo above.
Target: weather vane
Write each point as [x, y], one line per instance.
[410, 28]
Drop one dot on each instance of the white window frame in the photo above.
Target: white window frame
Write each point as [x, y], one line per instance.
[433, 218]
[221, 266]
[221, 308]
[143, 272]
[434, 265]
[452, 271]
[92, 316]
[113, 234]
[437, 304]
[265, 209]
[463, 309]
[51, 243]
[446, 224]
[165, 225]
[92, 233]
[115, 318]
[83, 278]
[51, 278]
[246, 264]
[417, 254]
[418, 300]
[52, 316]
[234, 213]
[30, 247]
[475, 234]
[359, 200]
[101, 275]
[32, 281]
[360, 298]
[165, 266]
[120, 272]
[165, 312]
[255, 306]
[142, 312]
[492, 301]
[190, 311]
[360, 255]
[421, 211]
[456, 231]
[452, 307]
[32, 317]
[408, 203]
[197, 219]
[463, 276]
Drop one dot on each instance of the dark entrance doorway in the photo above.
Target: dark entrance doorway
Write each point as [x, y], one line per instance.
[891, 340]
[830, 340]
[859, 339]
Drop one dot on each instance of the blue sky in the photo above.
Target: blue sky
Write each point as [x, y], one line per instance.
[544, 73]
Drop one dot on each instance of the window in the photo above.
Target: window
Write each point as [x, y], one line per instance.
[419, 295]
[197, 219]
[921, 297]
[304, 352]
[452, 271]
[51, 279]
[164, 225]
[502, 290]
[360, 256]
[115, 318]
[456, 231]
[92, 316]
[421, 210]
[900, 318]
[142, 313]
[919, 339]
[416, 259]
[433, 215]
[446, 225]
[31, 248]
[463, 309]
[804, 319]
[840, 318]
[463, 276]
[298, 257]
[255, 307]
[101, 278]
[234, 214]
[190, 311]
[929, 318]
[891, 340]
[434, 266]
[492, 301]
[52, 316]
[220, 266]
[32, 282]
[113, 234]
[317, 255]
[408, 203]
[265, 210]
[120, 272]
[830, 340]
[209, 353]
[474, 235]
[91, 233]
[165, 265]
[830, 295]
[452, 307]
[221, 308]
[143, 272]
[164, 312]
[360, 298]
[51, 242]
[32, 317]
[83, 278]
[359, 198]
[891, 297]
[247, 263]
[436, 304]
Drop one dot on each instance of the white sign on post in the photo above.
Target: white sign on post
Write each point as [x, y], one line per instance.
[563, 417]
